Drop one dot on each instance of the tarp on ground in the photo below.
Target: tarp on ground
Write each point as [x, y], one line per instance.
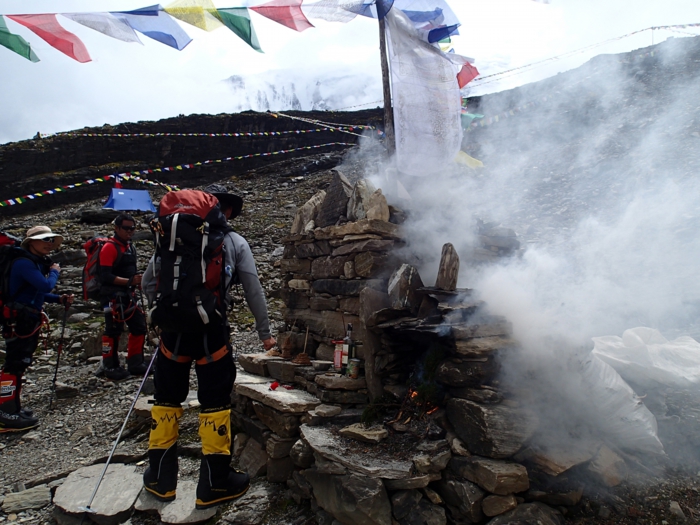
[645, 357]
[129, 200]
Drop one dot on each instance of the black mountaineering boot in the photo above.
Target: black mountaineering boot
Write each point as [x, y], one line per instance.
[219, 482]
[110, 360]
[12, 418]
[160, 478]
[136, 365]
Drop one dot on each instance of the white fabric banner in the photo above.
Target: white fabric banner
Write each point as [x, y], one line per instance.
[334, 10]
[107, 24]
[426, 100]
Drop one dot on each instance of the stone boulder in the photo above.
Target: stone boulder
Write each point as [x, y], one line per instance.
[496, 431]
[335, 203]
[307, 212]
[351, 499]
[359, 201]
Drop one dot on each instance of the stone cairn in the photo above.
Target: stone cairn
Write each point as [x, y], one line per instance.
[469, 459]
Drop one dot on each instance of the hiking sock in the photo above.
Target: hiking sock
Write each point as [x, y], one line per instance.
[218, 482]
[160, 478]
[134, 356]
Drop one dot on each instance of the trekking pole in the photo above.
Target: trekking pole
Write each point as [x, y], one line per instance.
[87, 507]
[58, 354]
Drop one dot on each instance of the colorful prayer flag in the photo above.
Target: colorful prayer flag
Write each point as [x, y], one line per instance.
[199, 13]
[334, 10]
[106, 24]
[156, 24]
[47, 27]
[237, 19]
[285, 12]
[16, 43]
[466, 75]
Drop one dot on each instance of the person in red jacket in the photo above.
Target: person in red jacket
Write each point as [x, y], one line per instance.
[119, 278]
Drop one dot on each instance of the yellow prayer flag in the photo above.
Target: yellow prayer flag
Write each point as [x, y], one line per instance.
[199, 13]
[471, 162]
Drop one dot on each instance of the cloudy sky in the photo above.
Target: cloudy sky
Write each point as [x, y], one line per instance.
[130, 82]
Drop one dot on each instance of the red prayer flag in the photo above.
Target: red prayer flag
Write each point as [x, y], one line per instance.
[47, 27]
[466, 75]
[285, 12]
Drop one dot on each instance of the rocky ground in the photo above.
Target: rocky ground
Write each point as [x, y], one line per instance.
[562, 185]
[80, 430]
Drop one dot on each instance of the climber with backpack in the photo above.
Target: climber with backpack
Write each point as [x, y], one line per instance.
[28, 277]
[119, 278]
[197, 259]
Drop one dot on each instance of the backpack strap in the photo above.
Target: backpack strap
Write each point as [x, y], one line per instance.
[173, 233]
[205, 242]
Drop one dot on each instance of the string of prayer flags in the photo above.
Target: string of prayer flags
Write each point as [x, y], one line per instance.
[237, 19]
[16, 43]
[199, 13]
[136, 175]
[107, 24]
[47, 28]
[339, 127]
[285, 12]
[156, 24]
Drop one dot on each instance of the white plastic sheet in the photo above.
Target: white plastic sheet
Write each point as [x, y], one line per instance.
[616, 410]
[645, 357]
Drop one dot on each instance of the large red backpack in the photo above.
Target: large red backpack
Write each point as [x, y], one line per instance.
[91, 270]
[190, 292]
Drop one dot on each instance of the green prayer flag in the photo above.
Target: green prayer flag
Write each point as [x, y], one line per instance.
[238, 20]
[15, 42]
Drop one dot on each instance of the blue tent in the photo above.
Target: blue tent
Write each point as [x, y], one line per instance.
[129, 200]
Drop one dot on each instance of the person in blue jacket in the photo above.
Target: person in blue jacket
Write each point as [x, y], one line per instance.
[32, 278]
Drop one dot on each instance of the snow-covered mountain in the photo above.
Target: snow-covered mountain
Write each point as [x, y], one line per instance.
[292, 90]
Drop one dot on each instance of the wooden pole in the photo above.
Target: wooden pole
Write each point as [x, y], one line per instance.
[389, 139]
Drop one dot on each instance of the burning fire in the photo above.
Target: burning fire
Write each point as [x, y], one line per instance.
[414, 408]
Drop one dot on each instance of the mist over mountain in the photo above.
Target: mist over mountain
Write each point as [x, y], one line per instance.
[297, 90]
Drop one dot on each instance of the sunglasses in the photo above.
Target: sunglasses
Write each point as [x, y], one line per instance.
[48, 241]
[128, 228]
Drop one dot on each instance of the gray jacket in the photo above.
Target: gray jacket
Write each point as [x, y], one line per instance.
[239, 262]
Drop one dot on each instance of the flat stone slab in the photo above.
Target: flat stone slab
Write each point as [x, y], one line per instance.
[256, 363]
[340, 382]
[327, 410]
[34, 498]
[180, 510]
[368, 464]
[289, 401]
[359, 432]
[417, 482]
[114, 500]
[245, 378]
